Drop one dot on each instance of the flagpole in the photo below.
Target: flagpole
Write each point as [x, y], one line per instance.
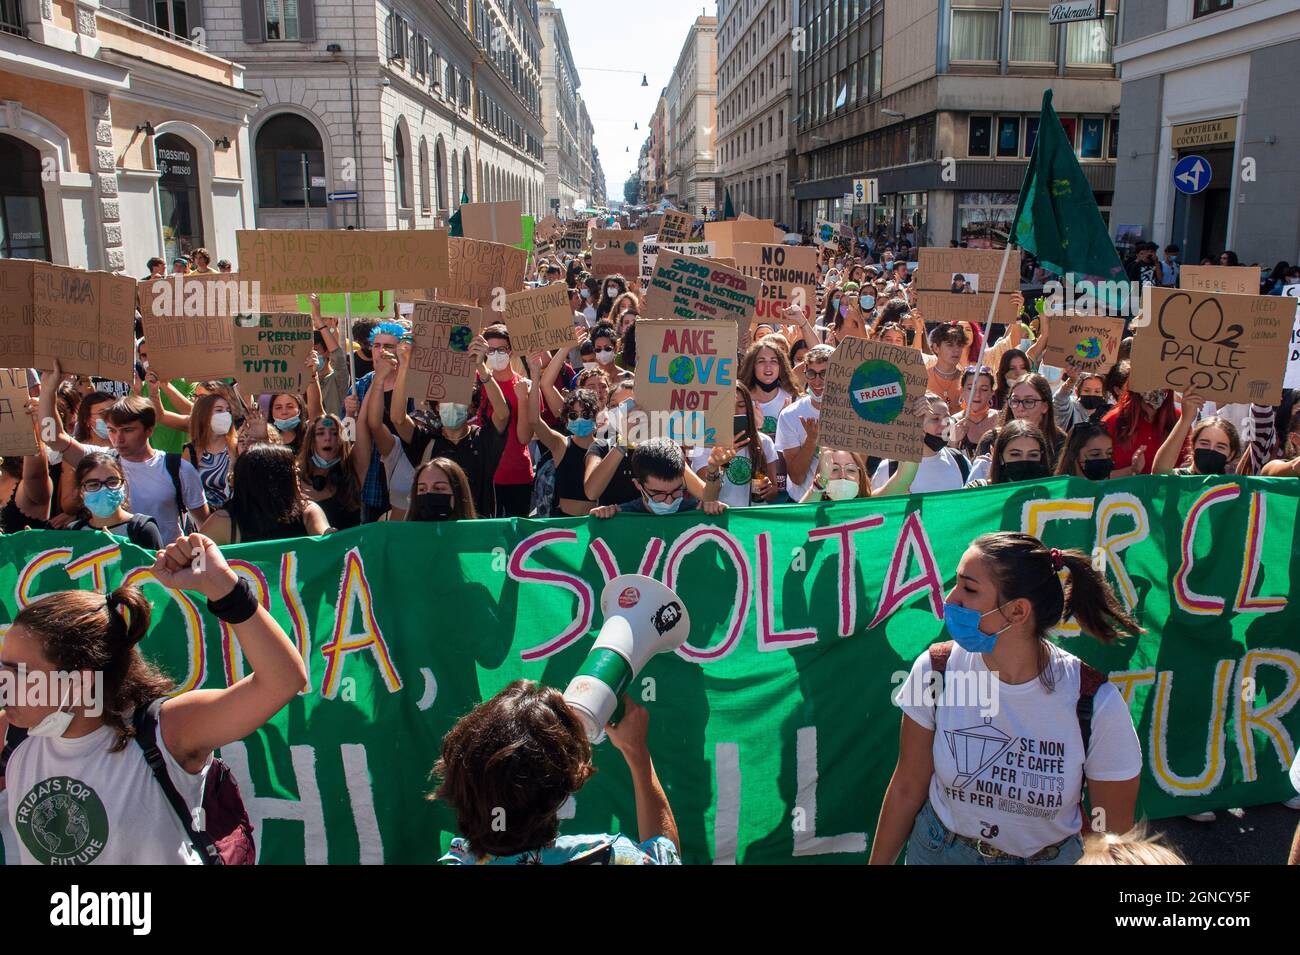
[988, 325]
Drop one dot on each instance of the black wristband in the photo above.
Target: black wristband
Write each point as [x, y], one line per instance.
[236, 606]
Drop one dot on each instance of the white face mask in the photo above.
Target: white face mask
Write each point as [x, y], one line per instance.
[605, 355]
[498, 361]
[56, 724]
[611, 291]
[221, 423]
[842, 489]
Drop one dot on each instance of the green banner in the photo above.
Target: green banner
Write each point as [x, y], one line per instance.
[772, 729]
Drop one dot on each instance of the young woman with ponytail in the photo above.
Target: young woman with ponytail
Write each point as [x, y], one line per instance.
[992, 760]
[79, 788]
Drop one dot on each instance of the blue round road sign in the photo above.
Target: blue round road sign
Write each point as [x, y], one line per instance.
[1192, 174]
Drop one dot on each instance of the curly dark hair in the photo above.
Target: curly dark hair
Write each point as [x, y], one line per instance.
[509, 764]
[585, 398]
[267, 500]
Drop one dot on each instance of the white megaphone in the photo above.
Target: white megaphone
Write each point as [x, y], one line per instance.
[642, 618]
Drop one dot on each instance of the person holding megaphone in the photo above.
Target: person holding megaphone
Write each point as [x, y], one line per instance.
[510, 764]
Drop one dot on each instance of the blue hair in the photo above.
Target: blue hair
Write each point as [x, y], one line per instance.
[388, 328]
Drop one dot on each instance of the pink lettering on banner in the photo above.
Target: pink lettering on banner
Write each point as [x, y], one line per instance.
[576, 585]
[684, 545]
[848, 592]
[1187, 599]
[608, 565]
[912, 542]
[231, 657]
[769, 638]
[354, 590]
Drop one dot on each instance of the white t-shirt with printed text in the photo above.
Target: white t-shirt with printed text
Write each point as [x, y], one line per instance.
[1014, 778]
[735, 489]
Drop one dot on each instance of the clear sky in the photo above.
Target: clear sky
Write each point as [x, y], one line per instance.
[641, 36]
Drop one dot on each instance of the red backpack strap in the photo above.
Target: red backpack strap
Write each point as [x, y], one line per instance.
[1090, 681]
[939, 654]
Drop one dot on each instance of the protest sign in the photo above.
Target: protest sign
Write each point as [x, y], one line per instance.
[17, 437]
[1227, 348]
[690, 378]
[540, 319]
[493, 221]
[1237, 279]
[615, 252]
[827, 234]
[688, 287]
[1292, 379]
[727, 234]
[871, 388]
[84, 320]
[652, 224]
[787, 277]
[650, 253]
[442, 369]
[1083, 344]
[784, 659]
[271, 350]
[116, 327]
[676, 227]
[548, 229]
[956, 285]
[479, 269]
[189, 322]
[17, 337]
[318, 260]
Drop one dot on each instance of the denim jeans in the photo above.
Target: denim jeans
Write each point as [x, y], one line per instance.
[932, 844]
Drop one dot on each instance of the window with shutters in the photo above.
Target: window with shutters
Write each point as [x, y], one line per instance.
[449, 83]
[398, 42]
[282, 22]
[464, 92]
[421, 66]
[171, 16]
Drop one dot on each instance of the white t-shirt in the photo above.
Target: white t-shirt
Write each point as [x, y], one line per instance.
[939, 472]
[72, 802]
[401, 476]
[770, 410]
[152, 491]
[737, 475]
[1014, 778]
[979, 471]
[790, 434]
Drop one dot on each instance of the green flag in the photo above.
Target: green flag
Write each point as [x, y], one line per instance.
[457, 229]
[1057, 219]
[728, 210]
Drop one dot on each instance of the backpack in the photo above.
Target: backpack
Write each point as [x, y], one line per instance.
[134, 527]
[224, 835]
[1090, 681]
[963, 465]
[173, 464]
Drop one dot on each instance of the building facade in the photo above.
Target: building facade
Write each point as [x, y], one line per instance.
[563, 114]
[381, 114]
[117, 143]
[692, 119]
[938, 101]
[1213, 79]
[755, 96]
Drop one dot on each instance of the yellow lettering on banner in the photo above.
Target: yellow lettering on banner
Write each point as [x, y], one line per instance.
[1267, 719]
[1212, 774]
[1111, 507]
[34, 567]
[198, 656]
[1127, 681]
[1038, 513]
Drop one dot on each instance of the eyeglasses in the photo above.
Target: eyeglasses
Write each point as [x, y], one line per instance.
[809, 373]
[505, 350]
[91, 486]
[665, 497]
[1026, 404]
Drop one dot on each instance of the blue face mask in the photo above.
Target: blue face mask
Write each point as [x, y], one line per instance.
[101, 428]
[963, 624]
[105, 501]
[453, 415]
[582, 427]
[626, 404]
[287, 424]
[325, 463]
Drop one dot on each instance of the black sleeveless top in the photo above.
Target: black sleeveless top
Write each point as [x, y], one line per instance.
[13, 520]
[569, 474]
[339, 517]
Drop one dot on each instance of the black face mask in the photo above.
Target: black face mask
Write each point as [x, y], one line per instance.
[1097, 469]
[431, 507]
[935, 442]
[767, 389]
[1209, 461]
[1092, 402]
[1014, 471]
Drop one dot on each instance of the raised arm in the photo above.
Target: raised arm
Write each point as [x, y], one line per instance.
[170, 419]
[900, 482]
[549, 376]
[373, 406]
[552, 439]
[315, 402]
[61, 441]
[1171, 450]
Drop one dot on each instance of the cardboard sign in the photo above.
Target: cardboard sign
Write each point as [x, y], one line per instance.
[787, 277]
[650, 253]
[548, 229]
[676, 227]
[540, 319]
[317, 260]
[1083, 344]
[189, 323]
[615, 252]
[1236, 279]
[694, 289]
[271, 350]
[442, 369]
[652, 224]
[85, 320]
[946, 307]
[17, 438]
[116, 327]
[956, 285]
[690, 379]
[493, 221]
[727, 234]
[17, 337]
[1227, 348]
[871, 388]
[827, 234]
[1292, 379]
[478, 269]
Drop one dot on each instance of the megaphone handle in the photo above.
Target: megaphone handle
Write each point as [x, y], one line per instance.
[618, 711]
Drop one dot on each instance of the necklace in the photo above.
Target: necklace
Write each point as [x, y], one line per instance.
[947, 375]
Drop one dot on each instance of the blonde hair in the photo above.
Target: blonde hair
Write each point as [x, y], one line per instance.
[1138, 846]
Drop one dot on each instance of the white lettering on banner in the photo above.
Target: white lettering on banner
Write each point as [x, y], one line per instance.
[806, 840]
[726, 805]
[306, 809]
[357, 776]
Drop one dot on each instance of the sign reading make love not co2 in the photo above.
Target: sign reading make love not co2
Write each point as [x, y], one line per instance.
[690, 377]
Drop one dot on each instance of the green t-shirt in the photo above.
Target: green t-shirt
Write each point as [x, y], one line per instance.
[166, 439]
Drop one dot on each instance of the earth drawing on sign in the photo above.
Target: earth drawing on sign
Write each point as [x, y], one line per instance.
[1089, 349]
[877, 391]
[460, 338]
[680, 371]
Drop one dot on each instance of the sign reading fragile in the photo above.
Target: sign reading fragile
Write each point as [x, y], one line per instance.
[871, 389]
[1226, 348]
[691, 288]
[690, 379]
[315, 260]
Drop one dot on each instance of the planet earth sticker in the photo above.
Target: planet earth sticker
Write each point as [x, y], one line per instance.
[1089, 349]
[877, 391]
[460, 338]
[680, 370]
[629, 248]
[739, 471]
